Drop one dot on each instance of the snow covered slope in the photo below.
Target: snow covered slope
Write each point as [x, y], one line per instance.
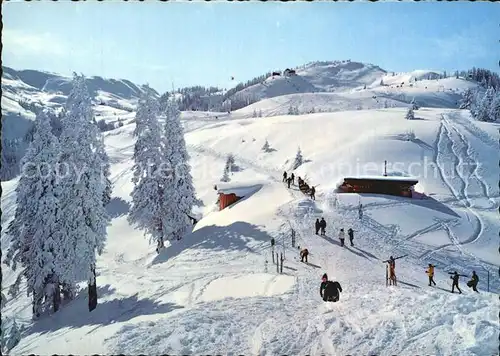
[113, 99]
[217, 290]
[340, 75]
[440, 93]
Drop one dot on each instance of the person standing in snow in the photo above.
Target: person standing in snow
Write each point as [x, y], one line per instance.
[360, 211]
[284, 176]
[455, 277]
[303, 255]
[350, 232]
[317, 225]
[313, 193]
[341, 237]
[289, 181]
[329, 291]
[473, 282]
[293, 178]
[430, 273]
[392, 268]
[322, 226]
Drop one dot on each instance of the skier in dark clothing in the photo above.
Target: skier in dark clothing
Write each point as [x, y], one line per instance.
[329, 291]
[455, 276]
[317, 226]
[350, 232]
[289, 181]
[322, 226]
[312, 193]
[473, 282]
[293, 178]
[303, 255]
[284, 176]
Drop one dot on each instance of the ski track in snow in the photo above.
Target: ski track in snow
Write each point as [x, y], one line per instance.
[468, 158]
[448, 149]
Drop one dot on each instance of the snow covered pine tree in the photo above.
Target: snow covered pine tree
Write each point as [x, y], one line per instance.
[36, 241]
[179, 194]
[83, 216]
[147, 196]
[298, 160]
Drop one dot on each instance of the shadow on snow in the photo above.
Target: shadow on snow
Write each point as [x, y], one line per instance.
[117, 207]
[76, 314]
[234, 237]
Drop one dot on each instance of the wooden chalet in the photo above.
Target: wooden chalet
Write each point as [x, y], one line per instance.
[399, 186]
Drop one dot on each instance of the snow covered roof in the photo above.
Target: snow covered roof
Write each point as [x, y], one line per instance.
[239, 190]
[391, 178]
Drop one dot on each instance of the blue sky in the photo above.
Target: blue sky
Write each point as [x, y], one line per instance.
[161, 43]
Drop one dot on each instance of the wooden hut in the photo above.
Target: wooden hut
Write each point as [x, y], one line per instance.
[231, 193]
[399, 186]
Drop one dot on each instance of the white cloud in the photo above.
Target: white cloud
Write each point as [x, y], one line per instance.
[20, 42]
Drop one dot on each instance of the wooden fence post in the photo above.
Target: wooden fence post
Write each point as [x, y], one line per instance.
[277, 263]
[281, 267]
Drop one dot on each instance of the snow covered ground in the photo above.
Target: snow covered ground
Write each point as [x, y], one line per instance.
[218, 291]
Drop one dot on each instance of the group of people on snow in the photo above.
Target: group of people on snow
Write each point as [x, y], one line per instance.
[303, 186]
[320, 228]
[455, 278]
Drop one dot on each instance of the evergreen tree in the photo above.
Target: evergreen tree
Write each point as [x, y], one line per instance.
[225, 175]
[410, 115]
[83, 217]
[298, 160]
[13, 337]
[382, 82]
[291, 110]
[467, 99]
[147, 196]
[36, 239]
[495, 108]
[266, 147]
[254, 114]
[484, 106]
[260, 113]
[414, 104]
[106, 171]
[179, 193]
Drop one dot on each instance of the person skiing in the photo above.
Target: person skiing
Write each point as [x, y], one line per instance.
[350, 232]
[455, 277]
[317, 226]
[473, 282]
[430, 273]
[322, 226]
[293, 178]
[328, 290]
[342, 237]
[284, 176]
[313, 193]
[303, 255]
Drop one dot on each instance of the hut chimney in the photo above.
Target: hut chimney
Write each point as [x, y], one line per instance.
[385, 168]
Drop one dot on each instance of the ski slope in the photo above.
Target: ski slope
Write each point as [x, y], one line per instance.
[217, 290]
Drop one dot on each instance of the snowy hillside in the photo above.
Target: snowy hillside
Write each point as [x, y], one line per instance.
[340, 76]
[311, 78]
[22, 90]
[217, 290]
[440, 93]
